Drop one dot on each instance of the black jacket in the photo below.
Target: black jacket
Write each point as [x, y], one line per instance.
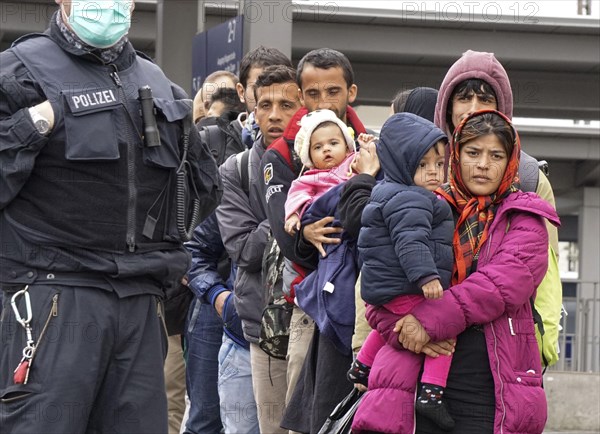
[91, 200]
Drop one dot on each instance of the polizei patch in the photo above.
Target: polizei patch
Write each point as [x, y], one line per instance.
[92, 100]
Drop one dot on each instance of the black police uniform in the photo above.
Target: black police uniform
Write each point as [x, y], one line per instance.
[88, 221]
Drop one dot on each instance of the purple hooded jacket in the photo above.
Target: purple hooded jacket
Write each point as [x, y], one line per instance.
[512, 263]
[485, 66]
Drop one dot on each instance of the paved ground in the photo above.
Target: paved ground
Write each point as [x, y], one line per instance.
[571, 432]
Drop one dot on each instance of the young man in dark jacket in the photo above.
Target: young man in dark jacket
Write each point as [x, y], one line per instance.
[245, 228]
[325, 81]
[213, 324]
[87, 207]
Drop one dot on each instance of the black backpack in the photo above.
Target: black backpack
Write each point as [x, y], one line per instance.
[223, 138]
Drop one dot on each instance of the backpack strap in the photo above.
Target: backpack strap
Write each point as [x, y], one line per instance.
[243, 164]
[537, 320]
[211, 136]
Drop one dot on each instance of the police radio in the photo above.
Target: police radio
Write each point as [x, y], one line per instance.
[151, 134]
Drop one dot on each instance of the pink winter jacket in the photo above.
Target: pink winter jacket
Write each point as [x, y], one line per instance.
[511, 265]
[314, 184]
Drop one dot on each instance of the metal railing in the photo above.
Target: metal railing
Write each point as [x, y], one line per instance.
[579, 339]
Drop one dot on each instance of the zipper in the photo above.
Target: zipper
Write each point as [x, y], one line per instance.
[131, 187]
[53, 314]
[499, 378]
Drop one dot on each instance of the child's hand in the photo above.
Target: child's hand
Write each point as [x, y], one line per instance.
[292, 224]
[433, 289]
[366, 160]
[364, 139]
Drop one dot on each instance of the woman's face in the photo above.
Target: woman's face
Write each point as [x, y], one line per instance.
[483, 161]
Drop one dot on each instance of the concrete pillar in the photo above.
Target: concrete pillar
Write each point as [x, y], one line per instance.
[201, 23]
[177, 23]
[589, 274]
[268, 23]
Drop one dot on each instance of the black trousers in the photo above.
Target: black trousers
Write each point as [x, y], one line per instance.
[321, 386]
[98, 367]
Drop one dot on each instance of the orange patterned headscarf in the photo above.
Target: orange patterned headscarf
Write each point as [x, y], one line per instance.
[475, 213]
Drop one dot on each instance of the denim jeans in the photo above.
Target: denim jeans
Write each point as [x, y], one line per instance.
[204, 332]
[238, 409]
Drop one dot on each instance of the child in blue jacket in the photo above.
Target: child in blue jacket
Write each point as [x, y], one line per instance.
[405, 244]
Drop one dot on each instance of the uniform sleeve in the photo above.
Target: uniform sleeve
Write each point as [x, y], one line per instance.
[502, 285]
[244, 237]
[20, 143]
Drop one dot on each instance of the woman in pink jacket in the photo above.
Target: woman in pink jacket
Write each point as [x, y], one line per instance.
[500, 247]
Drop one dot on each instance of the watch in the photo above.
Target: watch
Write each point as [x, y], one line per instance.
[40, 122]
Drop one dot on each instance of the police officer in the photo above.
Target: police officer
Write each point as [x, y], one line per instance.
[93, 212]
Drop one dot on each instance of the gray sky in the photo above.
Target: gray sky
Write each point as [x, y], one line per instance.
[519, 8]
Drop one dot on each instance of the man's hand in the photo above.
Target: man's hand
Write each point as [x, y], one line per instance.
[412, 336]
[220, 302]
[366, 160]
[316, 234]
[433, 289]
[442, 348]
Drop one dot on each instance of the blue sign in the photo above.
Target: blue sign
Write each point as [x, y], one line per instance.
[198, 62]
[219, 48]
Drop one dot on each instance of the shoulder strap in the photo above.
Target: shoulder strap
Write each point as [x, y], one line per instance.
[537, 320]
[243, 163]
[211, 136]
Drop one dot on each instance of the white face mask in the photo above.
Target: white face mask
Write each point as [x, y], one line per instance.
[100, 23]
